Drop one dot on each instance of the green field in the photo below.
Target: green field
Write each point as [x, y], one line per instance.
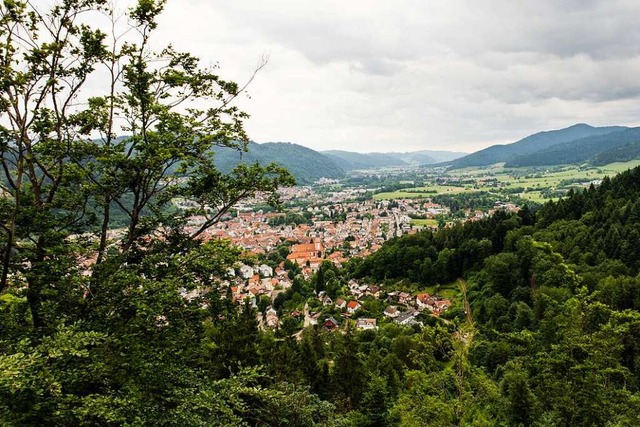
[534, 196]
[420, 192]
[449, 291]
[533, 180]
[424, 222]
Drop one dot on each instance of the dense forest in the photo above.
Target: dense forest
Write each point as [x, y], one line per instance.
[552, 337]
[130, 329]
[541, 142]
[589, 149]
[305, 164]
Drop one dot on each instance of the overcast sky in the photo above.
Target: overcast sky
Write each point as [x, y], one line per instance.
[370, 75]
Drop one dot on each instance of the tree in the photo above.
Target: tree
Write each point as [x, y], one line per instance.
[65, 171]
[108, 337]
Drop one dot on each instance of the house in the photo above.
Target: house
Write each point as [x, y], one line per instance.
[356, 293]
[442, 305]
[366, 324]
[404, 298]
[341, 303]
[312, 319]
[393, 296]
[353, 306]
[392, 312]
[407, 318]
[337, 258]
[271, 318]
[423, 300]
[330, 324]
[246, 272]
[285, 283]
[327, 300]
[373, 291]
[265, 271]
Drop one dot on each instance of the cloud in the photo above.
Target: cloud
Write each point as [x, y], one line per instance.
[454, 74]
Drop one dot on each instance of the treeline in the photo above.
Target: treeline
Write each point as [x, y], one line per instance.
[555, 302]
[552, 338]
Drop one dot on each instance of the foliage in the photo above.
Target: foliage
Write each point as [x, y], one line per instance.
[136, 330]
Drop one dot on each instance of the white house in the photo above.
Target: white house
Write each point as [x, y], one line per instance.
[265, 271]
[366, 324]
[246, 272]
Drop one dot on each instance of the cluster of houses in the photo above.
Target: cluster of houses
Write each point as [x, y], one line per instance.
[250, 282]
[403, 310]
[330, 324]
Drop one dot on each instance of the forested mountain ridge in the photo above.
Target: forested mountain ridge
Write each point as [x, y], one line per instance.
[531, 144]
[619, 154]
[305, 164]
[308, 165]
[555, 298]
[351, 161]
[582, 150]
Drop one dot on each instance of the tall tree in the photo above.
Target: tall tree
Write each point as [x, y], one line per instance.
[65, 172]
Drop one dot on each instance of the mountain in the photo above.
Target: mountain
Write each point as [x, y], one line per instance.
[531, 144]
[618, 154]
[583, 150]
[442, 156]
[351, 161]
[308, 165]
[305, 164]
[415, 158]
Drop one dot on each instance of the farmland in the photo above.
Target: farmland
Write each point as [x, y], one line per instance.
[533, 184]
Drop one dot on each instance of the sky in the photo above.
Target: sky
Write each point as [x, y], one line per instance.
[405, 75]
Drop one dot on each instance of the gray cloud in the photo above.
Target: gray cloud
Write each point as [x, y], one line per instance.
[454, 74]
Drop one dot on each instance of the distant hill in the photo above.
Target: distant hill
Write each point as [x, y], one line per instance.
[348, 160]
[605, 147]
[308, 165]
[305, 164]
[619, 154]
[531, 144]
[351, 161]
[442, 156]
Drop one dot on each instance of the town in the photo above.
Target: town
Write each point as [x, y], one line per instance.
[318, 226]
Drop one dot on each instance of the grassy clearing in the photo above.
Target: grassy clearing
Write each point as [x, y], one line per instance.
[614, 168]
[449, 291]
[398, 195]
[534, 180]
[422, 192]
[534, 196]
[424, 222]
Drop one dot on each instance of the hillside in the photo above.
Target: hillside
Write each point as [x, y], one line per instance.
[580, 150]
[352, 161]
[442, 156]
[551, 309]
[618, 154]
[531, 144]
[415, 158]
[308, 165]
[305, 164]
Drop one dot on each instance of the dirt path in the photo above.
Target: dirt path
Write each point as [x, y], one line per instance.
[466, 332]
[467, 306]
